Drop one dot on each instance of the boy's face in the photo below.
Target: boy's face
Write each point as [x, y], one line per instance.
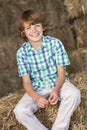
[33, 33]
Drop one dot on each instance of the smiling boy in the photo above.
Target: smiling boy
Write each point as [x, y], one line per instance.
[41, 63]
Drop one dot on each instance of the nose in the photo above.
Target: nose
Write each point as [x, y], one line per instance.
[33, 29]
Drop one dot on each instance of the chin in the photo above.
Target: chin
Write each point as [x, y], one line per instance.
[36, 39]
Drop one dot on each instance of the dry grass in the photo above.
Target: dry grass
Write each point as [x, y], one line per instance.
[77, 17]
[78, 120]
[76, 8]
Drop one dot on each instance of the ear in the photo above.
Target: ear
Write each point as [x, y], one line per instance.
[22, 33]
[44, 29]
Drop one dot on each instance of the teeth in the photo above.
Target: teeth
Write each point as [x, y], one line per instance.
[35, 35]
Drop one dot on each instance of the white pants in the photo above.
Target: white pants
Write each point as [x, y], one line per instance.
[70, 98]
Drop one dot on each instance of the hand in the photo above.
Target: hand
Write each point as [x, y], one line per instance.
[42, 102]
[53, 99]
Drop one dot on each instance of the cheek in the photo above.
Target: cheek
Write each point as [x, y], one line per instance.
[26, 34]
[40, 29]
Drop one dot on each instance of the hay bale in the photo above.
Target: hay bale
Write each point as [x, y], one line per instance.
[80, 26]
[76, 8]
[78, 59]
[47, 115]
[77, 18]
[79, 118]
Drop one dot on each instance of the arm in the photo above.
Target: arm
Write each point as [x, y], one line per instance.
[53, 99]
[61, 77]
[40, 100]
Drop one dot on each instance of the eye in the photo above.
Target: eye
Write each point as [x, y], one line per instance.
[37, 25]
[28, 28]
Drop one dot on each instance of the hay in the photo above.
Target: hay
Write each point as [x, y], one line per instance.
[47, 115]
[79, 118]
[76, 8]
[80, 26]
[77, 18]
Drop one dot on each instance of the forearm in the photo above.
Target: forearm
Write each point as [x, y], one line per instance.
[54, 97]
[60, 79]
[59, 83]
[30, 90]
[40, 100]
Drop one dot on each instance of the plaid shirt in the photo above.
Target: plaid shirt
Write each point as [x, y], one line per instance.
[41, 64]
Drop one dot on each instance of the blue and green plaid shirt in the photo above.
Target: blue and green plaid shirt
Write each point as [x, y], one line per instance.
[41, 64]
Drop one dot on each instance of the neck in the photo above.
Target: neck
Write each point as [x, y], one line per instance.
[36, 45]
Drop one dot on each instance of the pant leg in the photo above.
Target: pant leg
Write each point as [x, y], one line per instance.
[70, 98]
[24, 114]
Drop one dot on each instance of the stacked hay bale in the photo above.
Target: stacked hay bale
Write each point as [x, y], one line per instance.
[77, 19]
[77, 13]
[76, 8]
[47, 115]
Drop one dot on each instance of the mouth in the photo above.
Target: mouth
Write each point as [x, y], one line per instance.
[35, 35]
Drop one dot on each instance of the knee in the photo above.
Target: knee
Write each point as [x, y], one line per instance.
[75, 95]
[18, 111]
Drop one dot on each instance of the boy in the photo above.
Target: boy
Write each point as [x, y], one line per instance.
[41, 64]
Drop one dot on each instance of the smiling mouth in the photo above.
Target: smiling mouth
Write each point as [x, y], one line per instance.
[35, 35]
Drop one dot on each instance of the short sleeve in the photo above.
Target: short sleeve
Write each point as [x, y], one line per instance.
[22, 64]
[61, 54]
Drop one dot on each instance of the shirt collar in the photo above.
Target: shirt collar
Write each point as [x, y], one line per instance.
[46, 40]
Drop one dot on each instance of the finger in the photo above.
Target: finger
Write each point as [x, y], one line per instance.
[41, 105]
[54, 103]
[45, 102]
[50, 98]
[55, 99]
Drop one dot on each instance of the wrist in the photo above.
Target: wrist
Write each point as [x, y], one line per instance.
[56, 89]
[36, 98]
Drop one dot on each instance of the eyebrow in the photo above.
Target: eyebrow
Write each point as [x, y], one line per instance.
[31, 24]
